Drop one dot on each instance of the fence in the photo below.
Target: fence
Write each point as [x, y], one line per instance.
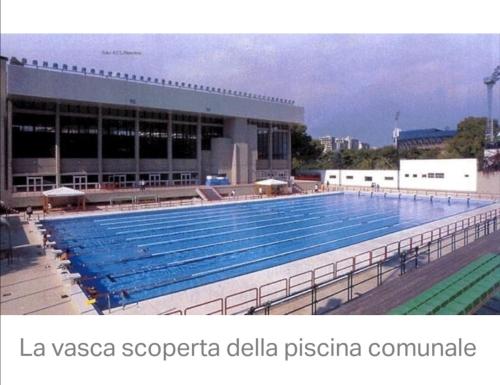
[436, 193]
[325, 297]
[336, 281]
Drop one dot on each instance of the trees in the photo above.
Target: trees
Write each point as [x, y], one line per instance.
[305, 150]
[468, 143]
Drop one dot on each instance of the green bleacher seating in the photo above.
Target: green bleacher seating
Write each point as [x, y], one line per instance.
[460, 292]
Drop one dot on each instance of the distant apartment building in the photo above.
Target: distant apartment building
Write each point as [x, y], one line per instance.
[331, 143]
[425, 138]
[327, 142]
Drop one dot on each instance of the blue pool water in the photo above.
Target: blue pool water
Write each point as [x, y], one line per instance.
[141, 255]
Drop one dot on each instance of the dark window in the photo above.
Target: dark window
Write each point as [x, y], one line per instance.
[407, 175]
[78, 137]
[414, 175]
[209, 132]
[440, 175]
[153, 115]
[333, 176]
[34, 105]
[33, 135]
[212, 120]
[424, 175]
[280, 144]
[153, 140]
[78, 109]
[349, 177]
[368, 178]
[466, 175]
[430, 175]
[118, 138]
[118, 112]
[263, 143]
[184, 141]
[185, 118]
[388, 178]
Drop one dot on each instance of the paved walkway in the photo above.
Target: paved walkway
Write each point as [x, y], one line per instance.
[399, 290]
[30, 285]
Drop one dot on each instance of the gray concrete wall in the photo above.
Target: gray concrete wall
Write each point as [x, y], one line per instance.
[221, 157]
[153, 165]
[488, 183]
[34, 165]
[244, 159]
[29, 81]
[126, 166]
[79, 165]
[184, 165]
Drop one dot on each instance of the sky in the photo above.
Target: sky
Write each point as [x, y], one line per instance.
[348, 84]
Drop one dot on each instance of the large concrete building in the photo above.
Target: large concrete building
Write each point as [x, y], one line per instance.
[82, 128]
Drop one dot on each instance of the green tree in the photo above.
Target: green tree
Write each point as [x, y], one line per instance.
[469, 141]
[305, 150]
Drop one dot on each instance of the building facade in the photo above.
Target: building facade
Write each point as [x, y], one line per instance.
[327, 142]
[84, 129]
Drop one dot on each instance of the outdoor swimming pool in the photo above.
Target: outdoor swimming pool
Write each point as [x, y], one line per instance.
[140, 255]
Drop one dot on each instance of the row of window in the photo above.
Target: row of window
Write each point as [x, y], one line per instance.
[34, 137]
[112, 111]
[280, 143]
[367, 178]
[437, 175]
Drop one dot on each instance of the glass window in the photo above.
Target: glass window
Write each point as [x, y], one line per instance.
[118, 138]
[34, 105]
[153, 140]
[440, 175]
[389, 178]
[368, 178]
[263, 143]
[209, 132]
[78, 137]
[33, 135]
[280, 144]
[184, 141]
[349, 177]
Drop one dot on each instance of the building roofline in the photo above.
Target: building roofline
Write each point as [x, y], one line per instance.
[91, 72]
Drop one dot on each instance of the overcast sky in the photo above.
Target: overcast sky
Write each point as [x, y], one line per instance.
[348, 84]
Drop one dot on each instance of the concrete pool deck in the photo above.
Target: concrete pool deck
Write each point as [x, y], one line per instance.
[180, 301]
[31, 284]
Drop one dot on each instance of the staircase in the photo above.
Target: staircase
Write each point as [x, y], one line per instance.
[208, 194]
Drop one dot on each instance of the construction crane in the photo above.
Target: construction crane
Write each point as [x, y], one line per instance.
[490, 82]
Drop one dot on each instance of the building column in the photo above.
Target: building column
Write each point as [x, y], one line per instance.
[270, 148]
[198, 148]
[9, 181]
[136, 147]
[170, 153]
[289, 151]
[58, 145]
[99, 146]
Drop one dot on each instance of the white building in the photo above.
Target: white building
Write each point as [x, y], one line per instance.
[414, 174]
[438, 174]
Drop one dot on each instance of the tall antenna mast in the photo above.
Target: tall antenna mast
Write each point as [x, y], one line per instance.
[490, 82]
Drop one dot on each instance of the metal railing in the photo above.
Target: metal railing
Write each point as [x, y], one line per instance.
[285, 289]
[436, 193]
[325, 297]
